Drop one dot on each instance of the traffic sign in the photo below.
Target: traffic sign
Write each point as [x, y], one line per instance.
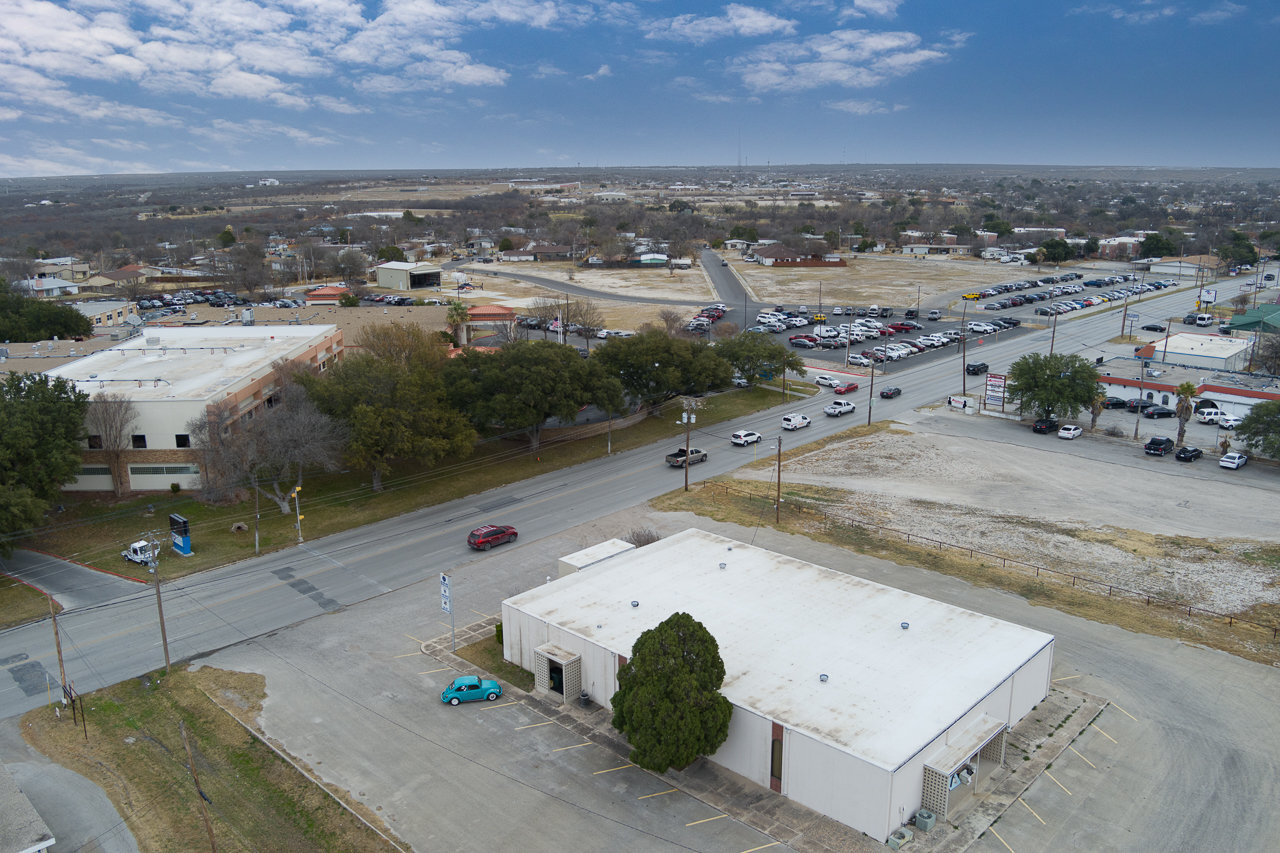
[446, 598]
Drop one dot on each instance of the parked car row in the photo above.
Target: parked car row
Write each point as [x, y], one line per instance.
[704, 319]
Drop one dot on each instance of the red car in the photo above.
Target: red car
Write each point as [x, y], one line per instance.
[810, 338]
[484, 538]
[845, 387]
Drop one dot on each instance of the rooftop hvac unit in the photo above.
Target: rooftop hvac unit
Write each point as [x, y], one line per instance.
[900, 836]
[153, 341]
[925, 820]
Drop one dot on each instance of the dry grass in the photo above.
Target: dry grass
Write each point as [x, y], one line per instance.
[752, 502]
[487, 654]
[134, 752]
[20, 603]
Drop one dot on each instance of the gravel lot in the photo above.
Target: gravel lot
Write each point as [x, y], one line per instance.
[1070, 506]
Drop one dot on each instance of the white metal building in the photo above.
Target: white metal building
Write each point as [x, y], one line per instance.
[861, 701]
[402, 275]
[1215, 352]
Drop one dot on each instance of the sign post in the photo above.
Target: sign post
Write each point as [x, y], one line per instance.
[446, 604]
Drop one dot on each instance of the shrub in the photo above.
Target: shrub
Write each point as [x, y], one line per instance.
[641, 536]
[497, 633]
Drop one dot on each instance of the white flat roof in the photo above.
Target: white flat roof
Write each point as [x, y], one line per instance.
[191, 363]
[780, 622]
[1210, 346]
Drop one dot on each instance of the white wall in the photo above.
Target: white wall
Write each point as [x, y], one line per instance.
[1030, 685]
[523, 633]
[836, 783]
[747, 750]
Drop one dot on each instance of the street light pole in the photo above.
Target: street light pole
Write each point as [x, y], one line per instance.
[1138, 419]
[297, 509]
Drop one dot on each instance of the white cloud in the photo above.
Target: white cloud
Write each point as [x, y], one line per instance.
[1224, 11]
[737, 20]
[865, 8]
[600, 73]
[849, 58]
[865, 108]
[1146, 13]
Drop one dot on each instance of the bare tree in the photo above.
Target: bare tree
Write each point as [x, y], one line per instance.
[672, 321]
[110, 421]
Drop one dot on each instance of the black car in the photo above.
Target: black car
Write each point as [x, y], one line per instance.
[1158, 446]
[1113, 403]
[1158, 412]
[1189, 320]
[1153, 327]
[803, 343]
[975, 368]
[1188, 454]
[1011, 321]
[1045, 425]
[890, 393]
[1137, 404]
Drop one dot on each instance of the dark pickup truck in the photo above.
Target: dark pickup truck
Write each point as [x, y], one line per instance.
[678, 459]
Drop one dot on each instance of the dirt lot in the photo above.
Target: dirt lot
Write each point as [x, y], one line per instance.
[1049, 509]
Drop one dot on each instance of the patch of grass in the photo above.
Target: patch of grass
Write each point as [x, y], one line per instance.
[749, 503]
[20, 603]
[95, 528]
[135, 753]
[1268, 556]
[487, 654]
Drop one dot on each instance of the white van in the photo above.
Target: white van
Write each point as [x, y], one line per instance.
[873, 311]
[1204, 319]
[1208, 416]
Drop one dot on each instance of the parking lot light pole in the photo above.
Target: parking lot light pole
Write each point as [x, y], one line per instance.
[1138, 419]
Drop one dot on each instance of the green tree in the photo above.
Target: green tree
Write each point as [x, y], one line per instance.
[1091, 246]
[744, 232]
[668, 703]
[523, 384]
[1157, 246]
[1095, 407]
[226, 237]
[1239, 251]
[25, 319]
[653, 366]
[457, 317]
[1057, 250]
[1058, 384]
[751, 354]
[391, 398]
[1185, 407]
[391, 253]
[41, 427]
[1260, 429]
[505, 245]
[999, 226]
[350, 264]
[349, 300]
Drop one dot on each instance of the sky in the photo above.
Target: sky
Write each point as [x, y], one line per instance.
[137, 86]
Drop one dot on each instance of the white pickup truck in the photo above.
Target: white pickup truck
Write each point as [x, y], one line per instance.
[138, 552]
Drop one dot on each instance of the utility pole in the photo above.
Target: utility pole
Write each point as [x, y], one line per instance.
[688, 417]
[297, 510]
[257, 514]
[964, 338]
[57, 642]
[777, 500]
[1053, 336]
[1125, 315]
[191, 765]
[871, 392]
[154, 564]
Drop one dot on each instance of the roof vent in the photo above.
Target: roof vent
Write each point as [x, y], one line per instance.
[822, 676]
[905, 625]
[635, 604]
[724, 566]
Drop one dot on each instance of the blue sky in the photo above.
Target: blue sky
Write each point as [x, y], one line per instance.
[98, 86]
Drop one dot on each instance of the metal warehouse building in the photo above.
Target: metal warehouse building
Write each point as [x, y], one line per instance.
[858, 700]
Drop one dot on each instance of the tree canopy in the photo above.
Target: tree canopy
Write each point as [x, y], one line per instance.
[1057, 250]
[1056, 384]
[1157, 246]
[1260, 429]
[668, 703]
[41, 427]
[751, 354]
[24, 319]
[1239, 250]
[653, 366]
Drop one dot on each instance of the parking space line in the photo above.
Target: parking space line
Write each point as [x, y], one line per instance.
[503, 705]
[1104, 734]
[478, 613]
[658, 794]
[763, 847]
[1126, 713]
[534, 725]
[1056, 782]
[1082, 758]
[411, 637]
[1033, 811]
[429, 671]
[1065, 678]
[406, 655]
[707, 820]
[611, 769]
[575, 746]
[1002, 841]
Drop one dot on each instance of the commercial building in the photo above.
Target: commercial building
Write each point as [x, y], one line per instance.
[860, 701]
[1211, 352]
[174, 374]
[402, 275]
[106, 313]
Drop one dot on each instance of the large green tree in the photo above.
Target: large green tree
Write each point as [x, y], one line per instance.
[1057, 250]
[1260, 429]
[1059, 384]
[391, 397]
[41, 427]
[653, 366]
[1239, 250]
[751, 354]
[25, 319]
[525, 383]
[668, 702]
[1157, 246]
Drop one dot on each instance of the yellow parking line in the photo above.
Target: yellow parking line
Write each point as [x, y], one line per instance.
[611, 769]
[411, 637]
[534, 725]
[1105, 735]
[1082, 758]
[575, 746]
[478, 613]
[659, 794]
[707, 820]
[1065, 678]
[1033, 811]
[429, 671]
[407, 655]
[503, 705]
[1002, 841]
[1056, 782]
[1123, 711]
[763, 847]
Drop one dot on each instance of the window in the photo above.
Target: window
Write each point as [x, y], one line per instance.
[94, 471]
[95, 442]
[139, 442]
[163, 469]
[182, 441]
